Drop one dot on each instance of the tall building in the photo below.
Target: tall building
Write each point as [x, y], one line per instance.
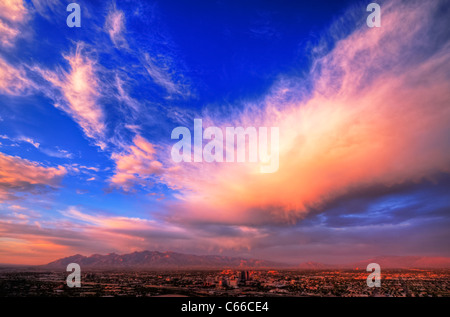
[245, 276]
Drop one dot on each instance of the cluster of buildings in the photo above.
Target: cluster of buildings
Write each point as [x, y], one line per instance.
[230, 279]
[256, 283]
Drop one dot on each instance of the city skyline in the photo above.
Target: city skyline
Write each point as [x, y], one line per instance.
[228, 283]
[87, 114]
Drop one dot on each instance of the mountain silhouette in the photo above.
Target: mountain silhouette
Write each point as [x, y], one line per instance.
[160, 260]
[173, 260]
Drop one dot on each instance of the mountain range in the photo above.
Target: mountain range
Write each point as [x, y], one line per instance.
[173, 260]
[161, 260]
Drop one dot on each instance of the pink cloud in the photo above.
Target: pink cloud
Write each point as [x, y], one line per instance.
[13, 81]
[378, 115]
[81, 90]
[136, 165]
[55, 237]
[12, 10]
[46, 240]
[18, 175]
[115, 27]
[7, 34]
[20, 251]
[12, 16]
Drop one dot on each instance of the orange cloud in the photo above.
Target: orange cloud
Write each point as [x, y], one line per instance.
[21, 251]
[87, 233]
[18, 175]
[51, 238]
[137, 165]
[378, 115]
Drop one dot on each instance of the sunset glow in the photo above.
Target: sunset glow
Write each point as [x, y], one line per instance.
[86, 116]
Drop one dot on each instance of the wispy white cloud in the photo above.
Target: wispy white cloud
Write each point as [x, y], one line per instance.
[81, 90]
[123, 96]
[115, 27]
[160, 74]
[29, 140]
[88, 173]
[59, 153]
[49, 8]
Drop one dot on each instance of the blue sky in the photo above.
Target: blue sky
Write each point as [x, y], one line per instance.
[216, 55]
[86, 116]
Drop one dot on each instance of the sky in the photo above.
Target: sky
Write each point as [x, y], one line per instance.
[86, 116]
